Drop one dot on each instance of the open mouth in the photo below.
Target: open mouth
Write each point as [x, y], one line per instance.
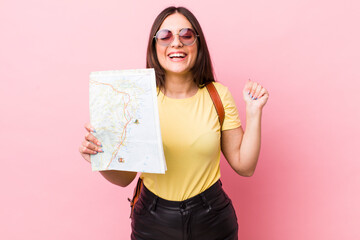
[177, 55]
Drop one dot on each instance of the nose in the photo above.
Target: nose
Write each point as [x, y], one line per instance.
[176, 42]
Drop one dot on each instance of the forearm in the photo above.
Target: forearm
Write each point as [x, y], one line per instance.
[250, 144]
[120, 178]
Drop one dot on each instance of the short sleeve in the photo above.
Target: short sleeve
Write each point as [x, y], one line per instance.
[232, 119]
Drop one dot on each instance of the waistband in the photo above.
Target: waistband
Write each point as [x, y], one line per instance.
[201, 199]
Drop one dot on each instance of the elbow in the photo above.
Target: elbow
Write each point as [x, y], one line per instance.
[248, 174]
[245, 173]
[119, 178]
[118, 182]
[121, 184]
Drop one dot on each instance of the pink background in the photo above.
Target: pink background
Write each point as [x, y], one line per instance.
[306, 53]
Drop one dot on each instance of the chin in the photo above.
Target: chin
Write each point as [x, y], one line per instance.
[178, 71]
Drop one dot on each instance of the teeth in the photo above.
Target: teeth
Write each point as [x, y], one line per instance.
[181, 55]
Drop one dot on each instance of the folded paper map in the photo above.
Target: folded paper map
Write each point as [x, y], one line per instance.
[124, 113]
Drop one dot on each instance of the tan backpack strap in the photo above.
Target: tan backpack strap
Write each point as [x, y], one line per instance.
[217, 102]
[136, 195]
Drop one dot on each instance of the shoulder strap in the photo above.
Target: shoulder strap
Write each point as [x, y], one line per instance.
[136, 195]
[217, 102]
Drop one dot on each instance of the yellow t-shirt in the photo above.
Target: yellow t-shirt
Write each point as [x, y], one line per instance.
[190, 132]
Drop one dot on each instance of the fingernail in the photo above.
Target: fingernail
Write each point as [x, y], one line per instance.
[248, 93]
[100, 150]
[93, 130]
[255, 98]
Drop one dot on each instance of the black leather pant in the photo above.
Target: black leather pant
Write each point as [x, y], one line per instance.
[209, 216]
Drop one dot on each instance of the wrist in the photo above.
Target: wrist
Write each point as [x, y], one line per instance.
[253, 111]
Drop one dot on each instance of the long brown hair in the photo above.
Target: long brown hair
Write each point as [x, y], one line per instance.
[202, 70]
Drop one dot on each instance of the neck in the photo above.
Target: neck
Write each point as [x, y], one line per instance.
[179, 86]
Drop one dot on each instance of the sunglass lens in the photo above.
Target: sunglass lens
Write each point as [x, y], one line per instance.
[187, 36]
[164, 37]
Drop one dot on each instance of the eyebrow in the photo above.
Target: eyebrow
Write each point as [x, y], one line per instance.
[177, 30]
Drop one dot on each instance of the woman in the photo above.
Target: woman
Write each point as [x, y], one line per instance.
[188, 202]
